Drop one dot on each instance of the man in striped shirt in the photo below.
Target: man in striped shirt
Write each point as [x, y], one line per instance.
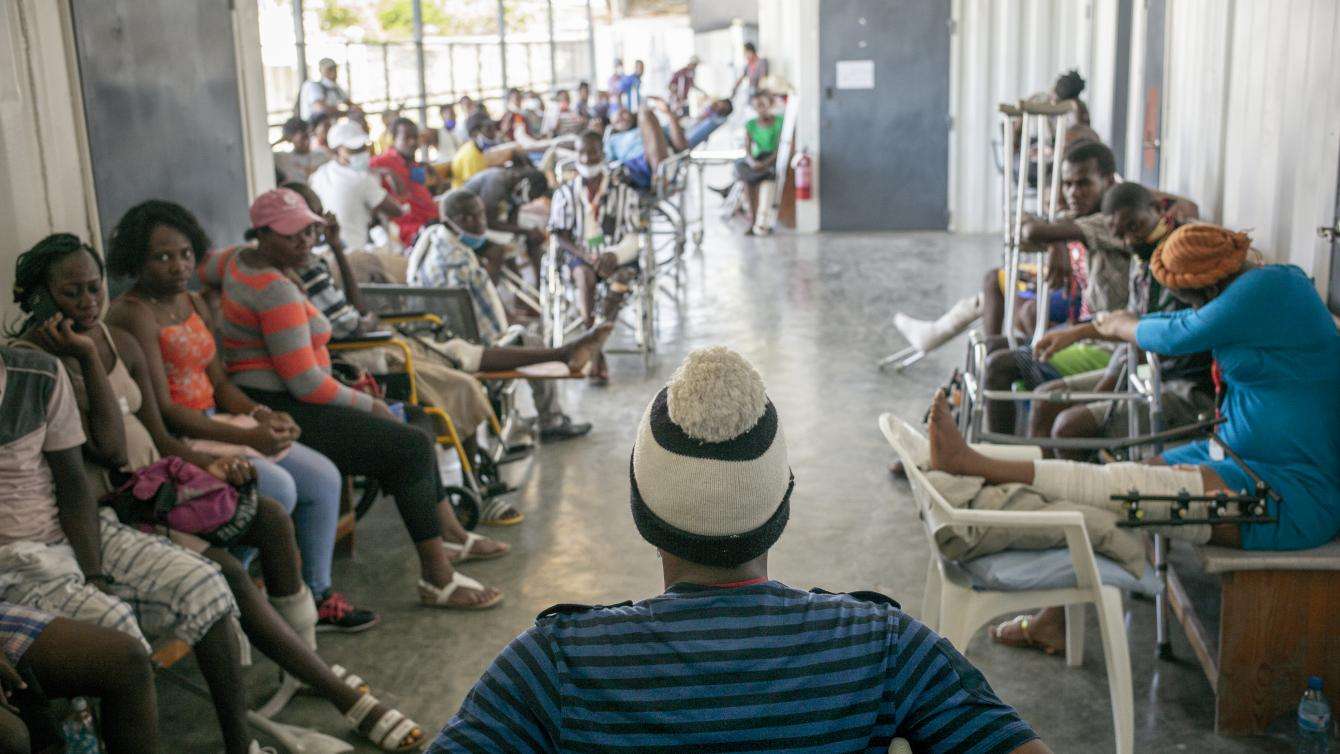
[726, 659]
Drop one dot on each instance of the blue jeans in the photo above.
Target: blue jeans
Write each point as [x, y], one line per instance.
[307, 484]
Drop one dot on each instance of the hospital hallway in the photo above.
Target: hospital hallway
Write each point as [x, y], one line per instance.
[813, 314]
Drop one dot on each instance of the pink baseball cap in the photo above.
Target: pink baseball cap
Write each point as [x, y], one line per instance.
[283, 211]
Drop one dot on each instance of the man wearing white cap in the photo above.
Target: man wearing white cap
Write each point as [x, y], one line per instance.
[322, 95]
[726, 659]
[348, 188]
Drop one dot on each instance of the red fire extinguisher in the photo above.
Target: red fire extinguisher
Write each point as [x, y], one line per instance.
[804, 167]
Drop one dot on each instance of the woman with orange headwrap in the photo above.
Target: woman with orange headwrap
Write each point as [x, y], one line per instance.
[1278, 352]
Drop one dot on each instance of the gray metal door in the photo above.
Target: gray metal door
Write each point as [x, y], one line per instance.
[885, 161]
[159, 80]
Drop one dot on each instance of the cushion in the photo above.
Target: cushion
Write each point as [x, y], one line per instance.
[1031, 570]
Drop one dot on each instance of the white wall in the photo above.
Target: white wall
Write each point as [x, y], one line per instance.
[45, 179]
[788, 36]
[1251, 126]
[1003, 51]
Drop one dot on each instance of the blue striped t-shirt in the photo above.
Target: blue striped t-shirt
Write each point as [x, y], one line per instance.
[762, 667]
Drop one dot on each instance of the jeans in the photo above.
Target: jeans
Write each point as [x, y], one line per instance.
[399, 456]
[308, 485]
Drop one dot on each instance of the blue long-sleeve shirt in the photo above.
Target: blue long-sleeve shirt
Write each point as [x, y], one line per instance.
[1279, 353]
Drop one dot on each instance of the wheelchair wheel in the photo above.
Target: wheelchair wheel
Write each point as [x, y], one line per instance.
[488, 476]
[465, 504]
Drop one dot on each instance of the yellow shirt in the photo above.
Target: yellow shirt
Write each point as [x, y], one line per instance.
[467, 161]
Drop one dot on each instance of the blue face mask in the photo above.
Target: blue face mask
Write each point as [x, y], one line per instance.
[474, 242]
[450, 125]
[485, 143]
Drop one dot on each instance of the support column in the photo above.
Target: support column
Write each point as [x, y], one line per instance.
[590, 46]
[419, 63]
[299, 42]
[553, 53]
[502, 44]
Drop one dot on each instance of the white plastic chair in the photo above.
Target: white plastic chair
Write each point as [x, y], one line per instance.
[955, 609]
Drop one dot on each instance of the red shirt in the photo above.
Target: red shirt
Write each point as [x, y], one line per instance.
[422, 208]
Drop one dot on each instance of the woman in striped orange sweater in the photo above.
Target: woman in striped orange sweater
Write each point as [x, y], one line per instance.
[274, 345]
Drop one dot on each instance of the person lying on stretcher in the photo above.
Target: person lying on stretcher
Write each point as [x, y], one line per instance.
[1278, 351]
[642, 142]
[595, 219]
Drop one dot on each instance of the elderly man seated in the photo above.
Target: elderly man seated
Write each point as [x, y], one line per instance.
[727, 659]
[458, 255]
[641, 143]
[1279, 355]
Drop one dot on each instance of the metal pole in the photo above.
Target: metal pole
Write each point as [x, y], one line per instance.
[553, 52]
[479, 72]
[419, 59]
[299, 41]
[451, 71]
[590, 44]
[502, 42]
[386, 74]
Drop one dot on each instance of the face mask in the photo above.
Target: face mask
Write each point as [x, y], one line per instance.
[360, 161]
[531, 104]
[591, 171]
[521, 194]
[450, 125]
[485, 143]
[473, 242]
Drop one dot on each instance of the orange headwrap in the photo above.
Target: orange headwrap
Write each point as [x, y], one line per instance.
[1195, 256]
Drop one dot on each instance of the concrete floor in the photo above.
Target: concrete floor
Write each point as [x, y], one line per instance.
[812, 314]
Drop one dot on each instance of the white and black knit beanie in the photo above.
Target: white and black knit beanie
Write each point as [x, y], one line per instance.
[710, 478]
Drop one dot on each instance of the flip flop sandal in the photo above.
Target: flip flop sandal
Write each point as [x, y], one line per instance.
[391, 732]
[464, 553]
[498, 512]
[432, 596]
[1025, 641]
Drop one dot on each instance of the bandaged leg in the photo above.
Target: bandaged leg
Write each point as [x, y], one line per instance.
[930, 335]
[1094, 485]
[299, 612]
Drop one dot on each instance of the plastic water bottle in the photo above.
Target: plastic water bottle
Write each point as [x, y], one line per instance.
[1314, 720]
[81, 736]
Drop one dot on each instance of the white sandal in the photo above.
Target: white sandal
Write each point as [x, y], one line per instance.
[432, 596]
[391, 731]
[464, 553]
[352, 680]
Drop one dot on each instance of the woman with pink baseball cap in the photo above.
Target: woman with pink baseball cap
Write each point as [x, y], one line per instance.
[274, 343]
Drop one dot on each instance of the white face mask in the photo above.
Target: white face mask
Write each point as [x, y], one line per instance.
[591, 171]
[360, 161]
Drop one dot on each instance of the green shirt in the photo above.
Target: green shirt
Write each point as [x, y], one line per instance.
[764, 139]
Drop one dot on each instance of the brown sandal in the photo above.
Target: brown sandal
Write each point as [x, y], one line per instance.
[1024, 640]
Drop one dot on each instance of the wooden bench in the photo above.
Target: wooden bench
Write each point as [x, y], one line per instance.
[1279, 622]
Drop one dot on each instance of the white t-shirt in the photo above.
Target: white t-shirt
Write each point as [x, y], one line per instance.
[313, 92]
[352, 196]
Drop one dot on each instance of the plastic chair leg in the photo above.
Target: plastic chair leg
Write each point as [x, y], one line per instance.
[1117, 655]
[930, 601]
[1074, 635]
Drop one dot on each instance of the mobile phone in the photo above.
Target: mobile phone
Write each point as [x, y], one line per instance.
[44, 307]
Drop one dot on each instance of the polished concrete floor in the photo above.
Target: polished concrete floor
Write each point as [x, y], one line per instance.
[812, 314]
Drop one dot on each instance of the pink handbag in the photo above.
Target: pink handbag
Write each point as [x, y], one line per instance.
[183, 497]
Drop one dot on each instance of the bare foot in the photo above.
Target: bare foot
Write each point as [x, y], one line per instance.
[949, 451]
[584, 349]
[1044, 631]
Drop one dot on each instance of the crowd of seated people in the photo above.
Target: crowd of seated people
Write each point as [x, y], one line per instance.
[213, 374]
[1132, 269]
